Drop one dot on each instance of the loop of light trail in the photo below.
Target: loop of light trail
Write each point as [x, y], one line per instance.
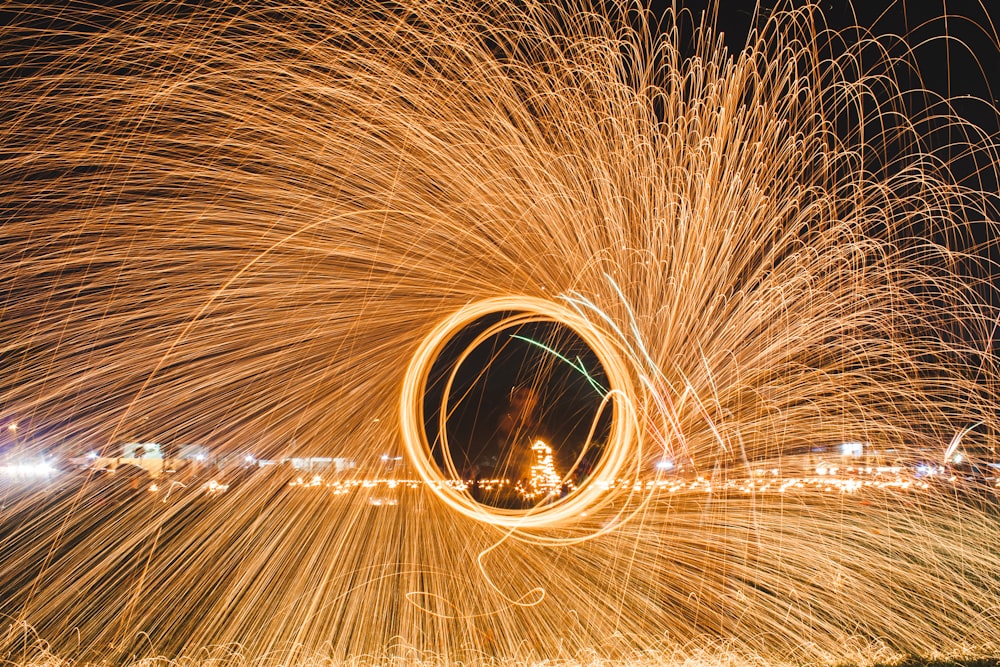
[620, 449]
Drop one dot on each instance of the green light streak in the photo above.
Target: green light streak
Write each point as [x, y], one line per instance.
[577, 366]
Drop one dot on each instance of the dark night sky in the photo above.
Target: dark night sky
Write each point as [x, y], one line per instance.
[487, 381]
[952, 46]
[951, 67]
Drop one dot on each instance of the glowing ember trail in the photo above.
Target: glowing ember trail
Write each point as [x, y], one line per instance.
[236, 240]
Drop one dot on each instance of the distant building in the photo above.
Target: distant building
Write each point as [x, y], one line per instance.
[192, 452]
[544, 477]
[321, 464]
[142, 450]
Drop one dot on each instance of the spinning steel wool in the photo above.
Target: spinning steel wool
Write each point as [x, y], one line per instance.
[255, 228]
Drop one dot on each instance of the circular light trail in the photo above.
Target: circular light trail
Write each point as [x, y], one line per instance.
[623, 441]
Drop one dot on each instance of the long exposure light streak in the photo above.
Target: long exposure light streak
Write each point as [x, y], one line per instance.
[621, 447]
[245, 232]
[576, 365]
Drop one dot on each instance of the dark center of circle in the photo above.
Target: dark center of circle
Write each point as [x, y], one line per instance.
[521, 424]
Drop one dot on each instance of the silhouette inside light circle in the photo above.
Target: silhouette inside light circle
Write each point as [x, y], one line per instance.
[513, 410]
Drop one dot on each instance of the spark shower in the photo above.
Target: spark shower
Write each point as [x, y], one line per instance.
[254, 226]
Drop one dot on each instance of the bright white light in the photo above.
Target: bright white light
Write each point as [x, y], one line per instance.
[250, 459]
[664, 465]
[214, 488]
[199, 457]
[952, 447]
[852, 449]
[27, 470]
[92, 455]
